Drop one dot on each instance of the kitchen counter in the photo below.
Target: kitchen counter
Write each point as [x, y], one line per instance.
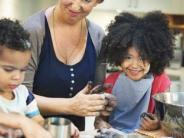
[138, 134]
[177, 76]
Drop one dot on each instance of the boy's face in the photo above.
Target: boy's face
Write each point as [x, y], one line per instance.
[133, 65]
[13, 65]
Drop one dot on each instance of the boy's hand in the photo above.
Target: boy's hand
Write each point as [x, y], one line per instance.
[74, 131]
[3, 130]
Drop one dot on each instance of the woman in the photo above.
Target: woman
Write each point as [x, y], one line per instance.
[64, 58]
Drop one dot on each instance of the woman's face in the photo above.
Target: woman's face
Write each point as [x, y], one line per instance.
[75, 10]
[134, 66]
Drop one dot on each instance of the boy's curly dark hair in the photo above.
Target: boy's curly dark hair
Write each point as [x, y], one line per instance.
[150, 35]
[13, 35]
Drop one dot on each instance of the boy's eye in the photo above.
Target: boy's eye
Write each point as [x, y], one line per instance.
[24, 69]
[9, 69]
[87, 1]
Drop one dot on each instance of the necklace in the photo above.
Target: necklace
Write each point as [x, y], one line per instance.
[66, 58]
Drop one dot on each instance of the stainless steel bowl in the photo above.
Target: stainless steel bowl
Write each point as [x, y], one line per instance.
[169, 107]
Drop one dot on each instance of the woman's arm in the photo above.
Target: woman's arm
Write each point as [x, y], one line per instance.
[83, 104]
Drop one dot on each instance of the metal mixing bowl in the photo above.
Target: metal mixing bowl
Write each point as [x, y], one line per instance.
[169, 107]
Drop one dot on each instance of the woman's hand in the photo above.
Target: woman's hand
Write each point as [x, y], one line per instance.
[148, 123]
[84, 104]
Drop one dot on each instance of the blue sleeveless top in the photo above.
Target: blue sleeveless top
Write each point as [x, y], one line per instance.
[56, 79]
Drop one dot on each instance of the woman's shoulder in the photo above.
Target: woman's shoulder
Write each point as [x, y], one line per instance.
[35, 22]
[93, 25]
[97, 34]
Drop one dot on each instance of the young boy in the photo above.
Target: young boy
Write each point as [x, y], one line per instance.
[15, 53]
[142, 47]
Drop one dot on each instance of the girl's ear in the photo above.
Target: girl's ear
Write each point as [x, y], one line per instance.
[147, 68]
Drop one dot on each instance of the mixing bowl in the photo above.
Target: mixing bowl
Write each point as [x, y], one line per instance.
[169, 107]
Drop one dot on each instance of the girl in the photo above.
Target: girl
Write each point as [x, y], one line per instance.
[142, 47]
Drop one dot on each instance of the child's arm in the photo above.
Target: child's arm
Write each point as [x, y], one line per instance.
[29, 127]
[39, 119]
[32, 109]
[101, 122]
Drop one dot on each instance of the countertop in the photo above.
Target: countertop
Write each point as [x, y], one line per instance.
[137, 134]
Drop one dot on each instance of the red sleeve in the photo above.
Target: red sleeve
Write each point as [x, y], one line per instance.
[111, 79]
[160, 84]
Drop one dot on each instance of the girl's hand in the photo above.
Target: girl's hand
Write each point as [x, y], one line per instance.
[100, 123]
[111, 104]
[149, 122]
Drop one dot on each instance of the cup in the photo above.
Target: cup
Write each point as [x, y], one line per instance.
[58, 127]
[100, 73]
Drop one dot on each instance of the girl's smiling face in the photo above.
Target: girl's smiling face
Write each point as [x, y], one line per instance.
[134, 66]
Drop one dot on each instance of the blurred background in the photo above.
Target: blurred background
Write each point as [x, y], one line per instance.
[104, 14]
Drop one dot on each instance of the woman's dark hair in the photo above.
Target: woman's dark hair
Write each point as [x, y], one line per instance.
[13, 35]
[150, 35]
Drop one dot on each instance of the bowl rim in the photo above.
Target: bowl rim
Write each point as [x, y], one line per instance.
[163, 93]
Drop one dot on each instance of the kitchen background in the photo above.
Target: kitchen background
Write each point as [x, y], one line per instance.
[104, 14]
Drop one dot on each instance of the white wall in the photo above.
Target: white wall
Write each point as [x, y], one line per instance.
[102, 17]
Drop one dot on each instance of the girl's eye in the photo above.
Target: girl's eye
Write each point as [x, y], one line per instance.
[128, 57]
[140, 59]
